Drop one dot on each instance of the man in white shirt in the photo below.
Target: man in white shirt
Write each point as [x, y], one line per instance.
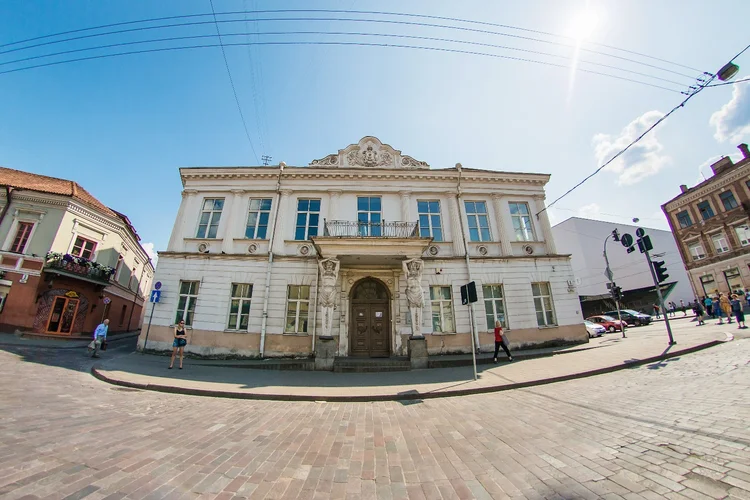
[100, 335]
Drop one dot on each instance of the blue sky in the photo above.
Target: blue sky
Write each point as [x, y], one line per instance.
[122, 126]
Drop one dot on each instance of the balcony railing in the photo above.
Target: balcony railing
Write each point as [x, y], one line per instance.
[354, 229]
[101, 275]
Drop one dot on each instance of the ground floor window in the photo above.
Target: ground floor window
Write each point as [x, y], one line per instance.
[442, 309]
[708, 284]
[494, 305]
[239, 306]
[297, 308]
[186, 302]
[545, 314]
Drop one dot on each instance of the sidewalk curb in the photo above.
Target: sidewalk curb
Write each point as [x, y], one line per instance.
[411, 395]
[113, 338]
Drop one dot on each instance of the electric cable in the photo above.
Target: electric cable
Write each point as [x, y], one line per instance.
[234, 90]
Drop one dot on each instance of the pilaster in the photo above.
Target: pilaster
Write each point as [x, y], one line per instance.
[503, 233]
[543, 221]
[457, 233]
[184, 221]
[281, 217]
[405, 205]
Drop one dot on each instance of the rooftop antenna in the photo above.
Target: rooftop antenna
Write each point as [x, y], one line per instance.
[266, 160]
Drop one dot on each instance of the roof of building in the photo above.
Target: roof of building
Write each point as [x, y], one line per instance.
[44, 184]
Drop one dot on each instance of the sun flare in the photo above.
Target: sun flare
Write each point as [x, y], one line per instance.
[583, 24]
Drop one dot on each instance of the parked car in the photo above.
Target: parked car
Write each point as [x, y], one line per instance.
[594, 329]
[631, 317]
[611, 323]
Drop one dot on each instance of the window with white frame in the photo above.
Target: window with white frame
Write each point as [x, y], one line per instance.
[720, 243]
[23, 233]
[83, 247]
[369, 216]
[429, 219]
[479, 223]
[308, 218]
[545, 313]
[186, 302]
[297, 308]
[442, 309]
[519, 214]
[208, 224]
[239, 306]
[696, 251]
[257, 218]
[494, 305]
[743, 234]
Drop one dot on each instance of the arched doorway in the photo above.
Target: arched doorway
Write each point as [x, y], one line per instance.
[370, 327]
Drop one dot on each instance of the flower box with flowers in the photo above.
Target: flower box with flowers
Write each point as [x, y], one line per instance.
[79, 265]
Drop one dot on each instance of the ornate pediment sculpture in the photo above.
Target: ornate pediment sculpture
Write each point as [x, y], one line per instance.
[369, 152]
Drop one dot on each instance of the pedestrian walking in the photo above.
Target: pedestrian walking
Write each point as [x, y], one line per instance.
[726, 306]
[716, 309]
[656, 311]
[179, 343]
[683, 308]
[708, 304]
[672, 308]
[500, 341]
[737, 309]
[698, 310]
[100, 338]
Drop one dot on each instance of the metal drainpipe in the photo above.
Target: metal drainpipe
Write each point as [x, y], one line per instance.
[264, 321]
[474, 332]
[135, 295]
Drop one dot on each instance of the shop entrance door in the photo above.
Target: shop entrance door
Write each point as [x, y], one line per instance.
[63, 315]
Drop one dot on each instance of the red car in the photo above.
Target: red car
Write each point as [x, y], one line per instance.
[611, 324]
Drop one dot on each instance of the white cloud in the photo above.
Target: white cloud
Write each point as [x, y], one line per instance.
[640, 161]
[590, 211]
[704, 169]
[732, 121]
[149, 248]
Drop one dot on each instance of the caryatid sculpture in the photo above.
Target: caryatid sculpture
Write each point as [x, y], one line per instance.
[329, 273]
[414, 294]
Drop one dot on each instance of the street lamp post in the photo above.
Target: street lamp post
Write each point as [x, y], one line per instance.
[610, 277]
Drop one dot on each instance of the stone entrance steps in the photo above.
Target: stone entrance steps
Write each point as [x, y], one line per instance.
[362, 365]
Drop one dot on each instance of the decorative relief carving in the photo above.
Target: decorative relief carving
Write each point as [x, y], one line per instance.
[328, 161]
[408, 161]
[414, 294]
[369, 157]
[369, 152]
[329, 273]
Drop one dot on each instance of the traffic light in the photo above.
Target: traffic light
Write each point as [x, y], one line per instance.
[660, 270]
[615, 235]
[616, 292]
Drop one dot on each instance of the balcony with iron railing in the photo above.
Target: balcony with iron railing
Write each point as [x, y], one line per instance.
[78, 267]
[355, 229]
[377, 243]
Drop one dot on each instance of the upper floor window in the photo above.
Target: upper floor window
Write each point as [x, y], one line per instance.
[83, 248]
[683, 218]
[705, 210]
[429, 220]
[22, 237]
[743, 234]
[720, 243]
[519, 214]
[369, 216]
[308, 216]
[208, 225]
[727, 199]
[545, 314]
[257, 218]
[479, 223]
[697, 252]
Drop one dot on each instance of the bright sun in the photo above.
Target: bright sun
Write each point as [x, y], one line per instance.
[583, 25]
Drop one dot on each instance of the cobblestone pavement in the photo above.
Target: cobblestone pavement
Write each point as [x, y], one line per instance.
[675, 429]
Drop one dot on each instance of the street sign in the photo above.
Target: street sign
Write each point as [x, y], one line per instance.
[468, 293]
[157, 285]
[640, 232]
[644, 244]
[626, 240]
[107, 300]
[608, 274]
[155, 296]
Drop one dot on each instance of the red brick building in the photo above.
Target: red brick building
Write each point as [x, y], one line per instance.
[67, 261]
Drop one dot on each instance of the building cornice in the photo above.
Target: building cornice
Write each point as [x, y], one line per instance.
[708, 189]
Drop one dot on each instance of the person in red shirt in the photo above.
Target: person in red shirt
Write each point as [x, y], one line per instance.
[500, 342]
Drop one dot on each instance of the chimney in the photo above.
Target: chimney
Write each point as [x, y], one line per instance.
[745, 152]
[724, 164]
[683, 188]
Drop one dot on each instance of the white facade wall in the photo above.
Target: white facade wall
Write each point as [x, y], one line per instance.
[231, 258]
[583, 239]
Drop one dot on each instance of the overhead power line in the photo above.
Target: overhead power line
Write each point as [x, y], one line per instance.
[337, 33]
[356, 20]
[359, 44]
[729, 83]
[234, 90]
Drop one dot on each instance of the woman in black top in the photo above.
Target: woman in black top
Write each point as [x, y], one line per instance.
[180, 341]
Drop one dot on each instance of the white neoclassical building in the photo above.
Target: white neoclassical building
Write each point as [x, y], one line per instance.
[354, 249]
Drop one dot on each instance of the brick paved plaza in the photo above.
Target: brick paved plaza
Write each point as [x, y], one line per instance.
[675, 429]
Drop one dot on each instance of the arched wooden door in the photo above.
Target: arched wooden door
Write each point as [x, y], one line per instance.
[370, 328]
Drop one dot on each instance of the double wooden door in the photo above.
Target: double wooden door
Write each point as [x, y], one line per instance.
[370, 329]
[62, 316]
